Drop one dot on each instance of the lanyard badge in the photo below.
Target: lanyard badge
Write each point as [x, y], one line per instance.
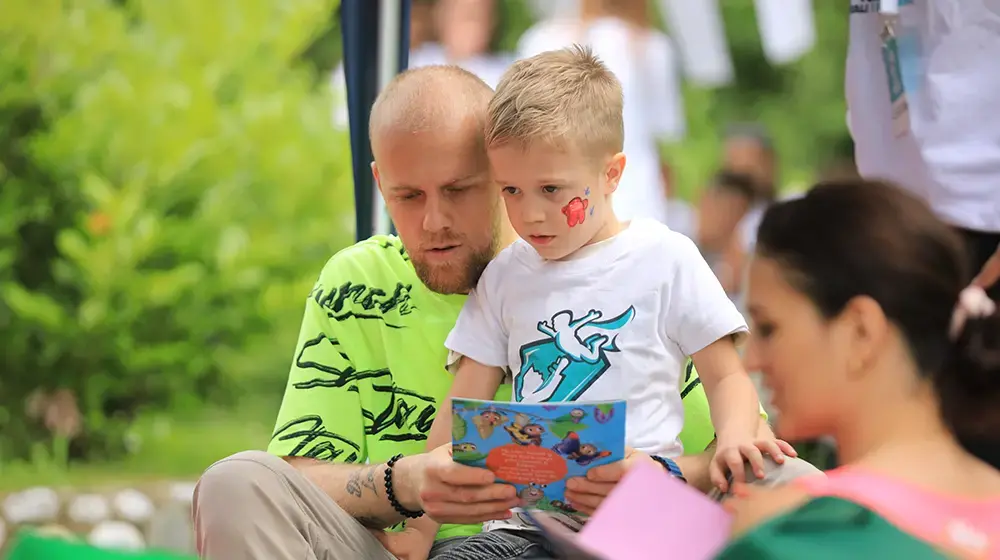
[889, 12]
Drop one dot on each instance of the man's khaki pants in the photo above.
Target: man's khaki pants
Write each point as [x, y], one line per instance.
[255, 506]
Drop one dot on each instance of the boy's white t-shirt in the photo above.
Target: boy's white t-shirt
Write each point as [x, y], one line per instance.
[616, 320]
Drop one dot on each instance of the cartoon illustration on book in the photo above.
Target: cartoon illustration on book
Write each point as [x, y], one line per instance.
[486, 421]
[539, 446]
[525, 432]
[583, 453]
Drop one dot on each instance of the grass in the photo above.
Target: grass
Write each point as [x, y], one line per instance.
[177, 446]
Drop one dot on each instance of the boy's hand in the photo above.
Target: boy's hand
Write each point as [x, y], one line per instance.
[409, 544]
[731, 454]
[586, 493]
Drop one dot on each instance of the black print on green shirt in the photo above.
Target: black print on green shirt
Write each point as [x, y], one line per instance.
[315, 441]
[398, 247]
[341, 376]
[392, 410]
[402, 410]
[359, 301]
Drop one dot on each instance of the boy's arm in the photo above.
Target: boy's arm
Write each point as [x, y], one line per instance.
[732, 397]
[473, 380]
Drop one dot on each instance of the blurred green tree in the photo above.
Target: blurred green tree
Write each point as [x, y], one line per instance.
[170, 184]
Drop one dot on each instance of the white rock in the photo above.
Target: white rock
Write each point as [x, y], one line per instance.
[34, 505]
[89, 509]
[118, 535]
[133, 506]
[182, 492]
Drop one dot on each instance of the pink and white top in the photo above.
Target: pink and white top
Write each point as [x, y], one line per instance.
[967, 527]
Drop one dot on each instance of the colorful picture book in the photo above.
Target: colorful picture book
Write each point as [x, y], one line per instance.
[537, 447]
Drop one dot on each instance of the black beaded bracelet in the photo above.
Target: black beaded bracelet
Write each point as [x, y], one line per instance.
[670, 466]
[391, 494]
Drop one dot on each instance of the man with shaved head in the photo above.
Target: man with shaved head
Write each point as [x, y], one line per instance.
[347, 461]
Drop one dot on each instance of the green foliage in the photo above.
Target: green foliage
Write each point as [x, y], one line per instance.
[170, 185]
[801, 104]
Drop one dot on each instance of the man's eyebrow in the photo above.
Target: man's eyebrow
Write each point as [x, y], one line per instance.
[400, 188]
[474, 178]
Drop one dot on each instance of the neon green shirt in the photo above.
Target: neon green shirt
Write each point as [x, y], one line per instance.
[369, 367]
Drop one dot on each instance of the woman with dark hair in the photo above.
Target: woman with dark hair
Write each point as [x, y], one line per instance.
[866, 328]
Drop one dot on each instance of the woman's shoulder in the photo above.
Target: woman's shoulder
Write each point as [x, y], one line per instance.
[828, 527]
[754, 505]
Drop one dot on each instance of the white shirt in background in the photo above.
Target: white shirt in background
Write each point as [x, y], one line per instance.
[647, 68]
[950, 59]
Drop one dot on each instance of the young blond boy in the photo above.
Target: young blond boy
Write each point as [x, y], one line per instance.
[625, 303]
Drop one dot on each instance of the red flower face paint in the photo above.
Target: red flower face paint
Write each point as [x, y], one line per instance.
[576, 211]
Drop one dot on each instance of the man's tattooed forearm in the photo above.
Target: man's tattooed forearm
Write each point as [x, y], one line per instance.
[370, 481]
[360, 480]
[353, 485]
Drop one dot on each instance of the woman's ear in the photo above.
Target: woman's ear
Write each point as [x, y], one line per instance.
[866, 328]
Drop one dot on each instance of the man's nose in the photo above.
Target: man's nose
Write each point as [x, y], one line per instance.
[437, 216]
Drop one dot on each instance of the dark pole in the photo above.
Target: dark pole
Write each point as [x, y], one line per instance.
[359, 22]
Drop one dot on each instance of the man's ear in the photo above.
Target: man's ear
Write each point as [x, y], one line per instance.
[613, 172]
[375, 175]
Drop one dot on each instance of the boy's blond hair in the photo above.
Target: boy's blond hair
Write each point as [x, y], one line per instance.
[567, 98]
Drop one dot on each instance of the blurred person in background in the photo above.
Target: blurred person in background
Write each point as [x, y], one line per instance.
[866, 329]
[464, 33]
[730, 210]
[749, 150]
[459, 32]
[467, 30]
[622, 34]
[937, 132]
[722, 208]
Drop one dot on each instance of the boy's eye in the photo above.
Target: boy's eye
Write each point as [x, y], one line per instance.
[549, 189]
[511, 190]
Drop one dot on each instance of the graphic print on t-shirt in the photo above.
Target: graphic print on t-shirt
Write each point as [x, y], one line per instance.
[571, 357]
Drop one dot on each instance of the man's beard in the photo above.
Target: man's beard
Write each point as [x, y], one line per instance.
[455, 277]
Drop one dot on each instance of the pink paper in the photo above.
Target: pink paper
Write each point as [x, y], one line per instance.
[651, 514]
